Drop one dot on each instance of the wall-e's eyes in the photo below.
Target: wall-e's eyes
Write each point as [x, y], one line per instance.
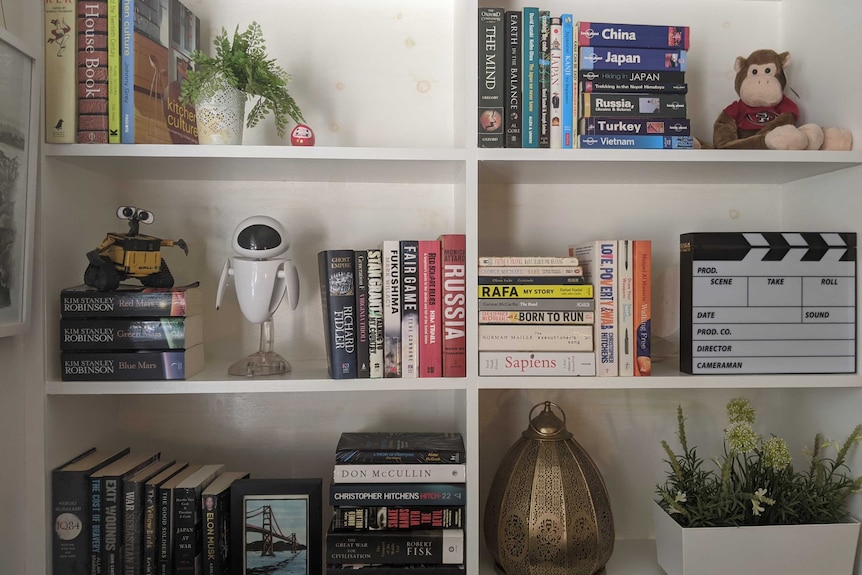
[126, 212]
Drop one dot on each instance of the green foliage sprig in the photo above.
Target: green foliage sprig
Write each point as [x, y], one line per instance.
[753, 482]
[243, 63]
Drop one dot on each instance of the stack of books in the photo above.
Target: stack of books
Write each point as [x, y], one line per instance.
[398, 310]
[131, 333]
[631, 86]
[536, 316]
[398, 502]
[620, 272]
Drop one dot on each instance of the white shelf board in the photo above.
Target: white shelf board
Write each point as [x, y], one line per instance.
[509, 166]
[265, 163]
[307, 376]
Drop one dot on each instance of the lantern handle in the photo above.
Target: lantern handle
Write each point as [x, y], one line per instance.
[547, 405]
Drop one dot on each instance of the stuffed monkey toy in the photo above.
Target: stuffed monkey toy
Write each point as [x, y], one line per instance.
[763, 117]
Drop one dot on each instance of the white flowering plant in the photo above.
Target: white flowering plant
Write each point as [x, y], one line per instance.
[754, 482]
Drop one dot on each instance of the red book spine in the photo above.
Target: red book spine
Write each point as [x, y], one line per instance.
[431, 342]
[454, 281]
[92, 47]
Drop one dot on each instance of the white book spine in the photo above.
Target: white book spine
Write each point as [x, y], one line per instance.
[391, 255]
[599, 260]
[532, 364]
[400, 473]
[535, 337]
[625, 307]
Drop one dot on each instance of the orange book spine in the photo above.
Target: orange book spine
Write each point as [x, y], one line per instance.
[642, 299]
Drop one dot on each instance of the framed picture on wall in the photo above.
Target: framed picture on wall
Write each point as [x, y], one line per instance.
[276, 527]
[19, 123]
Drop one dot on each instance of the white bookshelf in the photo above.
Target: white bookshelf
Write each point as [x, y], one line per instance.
[390, 88]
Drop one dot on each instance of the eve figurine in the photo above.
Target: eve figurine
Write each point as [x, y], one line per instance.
[261, 279]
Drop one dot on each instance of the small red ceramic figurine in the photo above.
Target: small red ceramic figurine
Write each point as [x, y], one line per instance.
[302, 135]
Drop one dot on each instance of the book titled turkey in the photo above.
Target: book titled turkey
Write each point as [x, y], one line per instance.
[399, 473]
[383, 494]
[92, 71]
[131, 301]
[610, 126]
[400, 447]
[131, 365]
[61, 111]
[404, 546]
[454, 281]
[411, 332]
[617, 58]
[338, 302]
[375, 518]
[131, 333]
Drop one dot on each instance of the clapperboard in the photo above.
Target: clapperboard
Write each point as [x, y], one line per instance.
[767, 302]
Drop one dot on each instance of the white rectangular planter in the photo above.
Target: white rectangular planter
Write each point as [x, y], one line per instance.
[784, 549]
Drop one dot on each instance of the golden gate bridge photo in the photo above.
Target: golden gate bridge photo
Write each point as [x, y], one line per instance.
[270, 548]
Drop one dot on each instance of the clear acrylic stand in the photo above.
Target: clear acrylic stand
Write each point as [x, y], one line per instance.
[263, 362]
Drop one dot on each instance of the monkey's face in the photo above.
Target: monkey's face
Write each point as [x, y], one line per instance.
[761, 85]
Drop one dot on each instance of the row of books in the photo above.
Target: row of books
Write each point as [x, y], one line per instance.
[550, 82]
[398, 502]
[139, 514]
[131, 333]
[113, 71]
[398, 310]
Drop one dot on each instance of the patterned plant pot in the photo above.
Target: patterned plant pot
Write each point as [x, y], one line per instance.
[221, 117]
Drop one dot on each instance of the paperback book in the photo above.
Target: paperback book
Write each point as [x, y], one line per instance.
[61, 68]
[130, 333]
[643, 105]
[386, 494]
[514, 304]
[653, 142]
[521, 337]
[372, 518]
[610, 126]
[537, 363]
[400, 447]
[406, 546]
[633, 35]
[491, 82]
[131, 301]
[131, 365]
[399, 473]
[641, 59]
[454, 306]
[338, 304]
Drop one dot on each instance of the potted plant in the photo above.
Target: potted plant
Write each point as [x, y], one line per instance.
[239, 71]
[753, 512]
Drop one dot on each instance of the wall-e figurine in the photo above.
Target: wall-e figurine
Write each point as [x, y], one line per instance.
[130, 255]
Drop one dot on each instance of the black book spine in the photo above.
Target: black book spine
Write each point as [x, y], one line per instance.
[71, 514]
[513, 59]
[151, 514]
[410, 329]
[686, 277]
[96, 525]
[443, 546]
[385, 494]
[112, 524]
[338, 301]
[375, 312]
[185, 515]
[216, 534]
[375, 518]
[544, 79]
[133, 515]
[363, 368]
[164, 547]
[491, 107]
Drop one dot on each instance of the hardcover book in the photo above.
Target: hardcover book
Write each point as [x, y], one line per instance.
[113, 71]
[625, 306]
[131, 365]
[537, 363]
[430, 305]
[652, 142]
[633, 35]
[61, 72]
[491, 81]
[134, 510]
[514, 70]
[131, 301]
[533, 304]
[538, 317]
[641, 59]
[561, 291]
[71, 535]
[215, 502]
[555, 94]
[411, 333]
[642, 306]
[92, 71]
[599, 260]
[399, 473]
[544, 79]
[527, 337]
[633, 105]
[338, 302]
[530, 78]
[188, 524]
[391, 547]
[454, 306]
[377, 518]
[166, 518]
[375, 313]
[609, 126]
[399, 447]
[131, 333]
[363, 367]
[391, 257]
[383, 494]
[152, 517]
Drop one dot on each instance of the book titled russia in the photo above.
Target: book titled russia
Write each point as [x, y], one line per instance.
[338, 302]
[454, 265]
[131, 301]
[643, 105]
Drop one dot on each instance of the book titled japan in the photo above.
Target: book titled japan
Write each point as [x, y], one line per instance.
[651, 142]
[375, 313]
[430, 306]
[634, 76]
[424, 493]
[411, 332]
[514, 70]
[391, 257]
[633, 35]
[646, 59]
[555, 94]
[147, 364]
[400, 447]
[61, 67]
[363, 368]
[401, 547]
[491, 78]
[92, 71]
[131, 301]
[609, 126]
[338, 304]
[454, 282]
[637, 105]
[599, 260]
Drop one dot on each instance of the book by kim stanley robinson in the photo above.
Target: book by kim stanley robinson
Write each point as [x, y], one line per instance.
[131, 301]
[131, 365]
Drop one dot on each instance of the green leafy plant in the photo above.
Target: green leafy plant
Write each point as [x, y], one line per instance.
[242, 62]
[753, 482]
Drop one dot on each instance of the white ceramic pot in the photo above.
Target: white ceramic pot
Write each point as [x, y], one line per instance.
[220, 118]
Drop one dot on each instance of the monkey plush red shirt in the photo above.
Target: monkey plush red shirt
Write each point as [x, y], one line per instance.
[755, 117]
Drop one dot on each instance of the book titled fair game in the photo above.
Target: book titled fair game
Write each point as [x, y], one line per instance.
[537, 363]
[400, 473]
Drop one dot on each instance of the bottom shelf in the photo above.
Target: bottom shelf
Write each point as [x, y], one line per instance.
[630, 557]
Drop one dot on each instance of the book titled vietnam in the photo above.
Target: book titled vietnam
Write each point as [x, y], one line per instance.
[646, 59]
[131, 333]
[405, 546]
[381, 494]
[399, 473]
[651, 142]
[131, 365]
[336, 274]
[131, 301]
[399, 447]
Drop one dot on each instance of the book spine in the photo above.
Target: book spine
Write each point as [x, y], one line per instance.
[363, 368]
[539, 363]
[599, 260]
[530, 38]
[391, 257]
[96, 525]
[491, 85]
[589, 86]
[399, 473]
[133, 525]
[216, 534]
[384, 494]
[92, 72]
[568, 88]
[127, 72]
[130, 333]
[130, 365]
[525, 337]
[112, 522]
[628, 105]
[531, 280]
[163, 303]
[544, 79]
[113, 71]
[151, 531]
[535, 291]
[431, 346]
[645, 59]
[61, 84]
[538, 317]
[608, 126]
[375, 313]
[642, 304]
[410, 329]
[164, 545]
[555, 95]
[186, 530]
[401, 456]
[407, 546]
[375, 518]
[454, 305]
[338, 302]
[514, 70]
[551, 304]
[633, 35]
[530, 271]
[415, 569]
[635, 76]
[70, 494]
[625, 307]
[656, 142]
[533, 261]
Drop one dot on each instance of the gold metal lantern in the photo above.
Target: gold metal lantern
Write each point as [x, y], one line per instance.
[548, 511]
